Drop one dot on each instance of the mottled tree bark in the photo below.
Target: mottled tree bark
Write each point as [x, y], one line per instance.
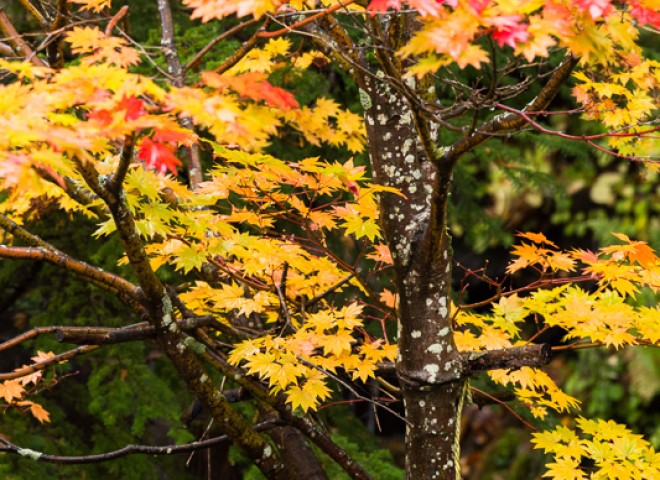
[428, 366]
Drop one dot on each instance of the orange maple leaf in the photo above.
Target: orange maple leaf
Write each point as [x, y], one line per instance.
[95, 5]
[11, 389]
[36, 410]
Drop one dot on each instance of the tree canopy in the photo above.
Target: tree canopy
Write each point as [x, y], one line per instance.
[224, 221]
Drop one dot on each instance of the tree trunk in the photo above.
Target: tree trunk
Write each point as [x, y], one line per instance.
[429, 366]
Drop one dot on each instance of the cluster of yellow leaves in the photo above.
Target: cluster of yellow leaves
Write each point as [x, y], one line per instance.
[601, 316]
[13, 391]
[614, 450]
[624, 100]
[622, 268]
[309, 195]
[323, 342]
[226, 222]
[99, 48]
[500, 330]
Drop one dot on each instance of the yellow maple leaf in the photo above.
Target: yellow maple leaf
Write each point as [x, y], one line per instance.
[361, 227]
[336, 344]
[389, 298]
[94, 5]
[11, 390]
[565, 469]
[37, 410]
[299, 398]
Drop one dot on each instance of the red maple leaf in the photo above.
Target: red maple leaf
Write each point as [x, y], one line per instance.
[253, 85]
[134, 107]
[276, 97]
[508, 31]
[159, 156]
[172, 136]
[104, 117]
[645, 15]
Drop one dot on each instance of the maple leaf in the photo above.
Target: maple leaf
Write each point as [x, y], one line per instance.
[388, 298]
[565, 469]
[39, 412]
[42, 356]
[276, 97]
[134, 107]
[94, 5]
[509, 30]
[33, 378]
[645, 15]
[102, 116]
[36, 410]
[361, 227]
[381, 254]
[173, 137]
[11, 389]
[159, 156]
[298, 398]
[536, 238]
[596, 8]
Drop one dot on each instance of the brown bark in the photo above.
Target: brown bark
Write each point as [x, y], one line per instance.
[296, 454]
[429, 367]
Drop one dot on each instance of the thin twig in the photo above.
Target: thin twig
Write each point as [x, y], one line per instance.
[511, 410]
[128, 449]
[305, 21]
[36, 367]
[195, 61]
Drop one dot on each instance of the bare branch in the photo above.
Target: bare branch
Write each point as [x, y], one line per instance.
[107, 336]
[36, 367]
[177, 73]
[55, 48]
[17, 41]
[243, 50]
[21, 233]
[34, 12]
[509, 122]
[305, 21]
[195, 61]
[508, 358]
[6, 50]
[125, 159]
[125, 290]
[127, 450]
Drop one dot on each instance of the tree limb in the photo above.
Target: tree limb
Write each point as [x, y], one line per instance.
[16, 40]
[125, 290]
[127, 450]
[509, 122]
[36, 367]
[177, 72]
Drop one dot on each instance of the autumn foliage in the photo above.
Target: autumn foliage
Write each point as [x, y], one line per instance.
[255, 238]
